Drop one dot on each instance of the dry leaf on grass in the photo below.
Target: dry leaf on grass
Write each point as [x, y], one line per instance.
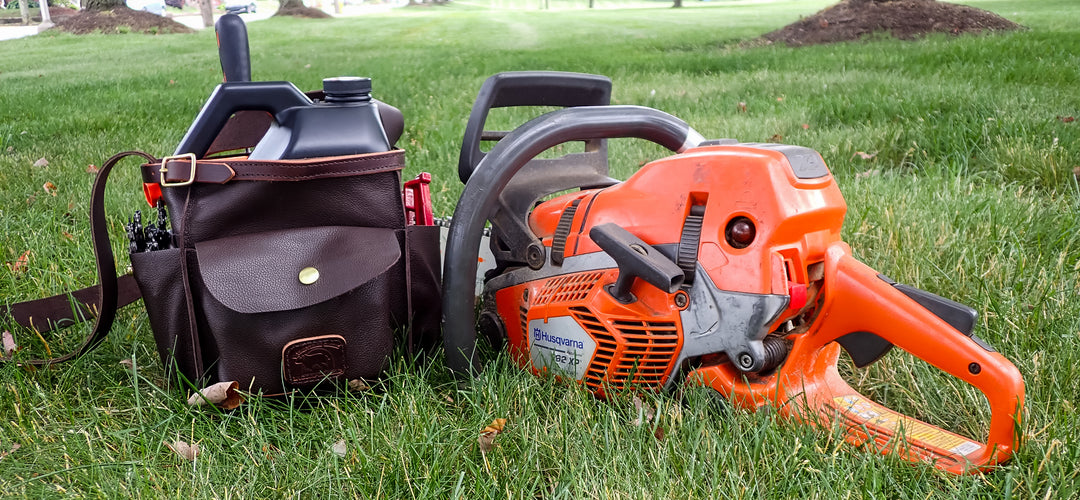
[806, 126]
[127, 363]
[1066, 119]
[776, 138]
[742, 107]
[21, 264]
[14, 447]
[645, 413]
[357, 385]
[186, 451]
[41, 162]
[487, 436]
[91, 169]
[648, 415]
[868, 173]
[9, 344]
[863, 155]
[222, 394]
[339, 448]
[49, 188]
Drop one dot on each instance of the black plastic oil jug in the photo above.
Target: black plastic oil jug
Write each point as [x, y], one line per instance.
[345, 123]
[342, 120]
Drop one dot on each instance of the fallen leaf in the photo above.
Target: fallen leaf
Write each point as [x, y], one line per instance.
[49, 188]
[659, 433]
[779, 99]
[307, 66]
[742, 107]
[21, 264]
[41, 162]
[642, 411]
[172, 82]
[67, 235]
[186, 451]
[222, 394]
[487, 436]
[127, 363]
[864, 155]
[868, 173]
[14, 447]
[806, 126]
[91, 169]
[357, 385]
[1076, 172]
[776, 138]
[9, 344]
[1066, 119]
[339, 448]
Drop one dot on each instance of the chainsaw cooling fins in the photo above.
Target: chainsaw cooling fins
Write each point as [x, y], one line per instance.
[721, 266]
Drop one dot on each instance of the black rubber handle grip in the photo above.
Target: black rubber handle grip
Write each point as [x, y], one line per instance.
[494, 172]
[233, 49]
[228, 98]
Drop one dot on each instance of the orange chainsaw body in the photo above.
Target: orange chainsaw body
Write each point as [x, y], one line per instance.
[771, 294]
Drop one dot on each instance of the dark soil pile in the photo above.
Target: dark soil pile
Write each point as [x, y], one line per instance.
[903, 19]
[302, 12]
[119, 20]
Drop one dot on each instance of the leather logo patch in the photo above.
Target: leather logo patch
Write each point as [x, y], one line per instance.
[314, 359]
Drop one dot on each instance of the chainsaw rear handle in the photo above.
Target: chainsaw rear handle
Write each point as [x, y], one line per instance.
[233, 49]
[493, 173]
[856, 299]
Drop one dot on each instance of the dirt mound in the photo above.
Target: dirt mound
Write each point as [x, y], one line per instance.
[302, 12]
[903, 19]
[119, 20]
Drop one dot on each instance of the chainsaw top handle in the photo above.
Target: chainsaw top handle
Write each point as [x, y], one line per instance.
[495, 171]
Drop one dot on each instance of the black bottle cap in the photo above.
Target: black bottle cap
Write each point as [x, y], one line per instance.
[346, 88]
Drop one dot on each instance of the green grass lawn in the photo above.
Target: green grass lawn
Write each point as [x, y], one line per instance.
[969, 194]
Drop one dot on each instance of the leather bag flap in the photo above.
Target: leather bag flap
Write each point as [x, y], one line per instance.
[291, 269]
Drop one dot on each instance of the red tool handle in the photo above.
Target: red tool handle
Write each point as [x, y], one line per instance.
[416, 195]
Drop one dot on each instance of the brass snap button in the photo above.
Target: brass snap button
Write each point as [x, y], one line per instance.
[309, 275]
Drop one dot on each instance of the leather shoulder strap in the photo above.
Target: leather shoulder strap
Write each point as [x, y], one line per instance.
[104, 298]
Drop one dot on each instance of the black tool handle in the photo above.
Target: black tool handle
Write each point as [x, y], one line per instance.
[228, 98]
[494, 172]
[233, 49]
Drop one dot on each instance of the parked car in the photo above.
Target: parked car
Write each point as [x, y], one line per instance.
[239, 6]
[151, 6]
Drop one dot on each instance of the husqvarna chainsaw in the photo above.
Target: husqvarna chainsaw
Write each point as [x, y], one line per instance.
[721, 265]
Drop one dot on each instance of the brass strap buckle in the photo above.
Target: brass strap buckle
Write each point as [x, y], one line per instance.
[163, 170]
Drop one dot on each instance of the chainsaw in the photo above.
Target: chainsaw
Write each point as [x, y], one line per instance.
[721, 266]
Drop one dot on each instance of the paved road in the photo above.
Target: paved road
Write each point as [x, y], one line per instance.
[11, 32]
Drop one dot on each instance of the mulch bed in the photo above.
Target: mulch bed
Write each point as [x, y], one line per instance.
[303, 12]
[904, 19]
[118, 20]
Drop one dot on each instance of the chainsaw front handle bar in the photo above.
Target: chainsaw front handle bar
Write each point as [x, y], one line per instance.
[493, 173]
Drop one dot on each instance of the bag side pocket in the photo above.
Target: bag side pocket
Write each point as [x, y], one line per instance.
[160, 280]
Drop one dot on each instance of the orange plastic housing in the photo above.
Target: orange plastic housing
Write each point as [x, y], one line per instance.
[796, 252]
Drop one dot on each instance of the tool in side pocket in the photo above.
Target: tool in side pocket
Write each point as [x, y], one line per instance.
[720, 266]
[155, 236]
